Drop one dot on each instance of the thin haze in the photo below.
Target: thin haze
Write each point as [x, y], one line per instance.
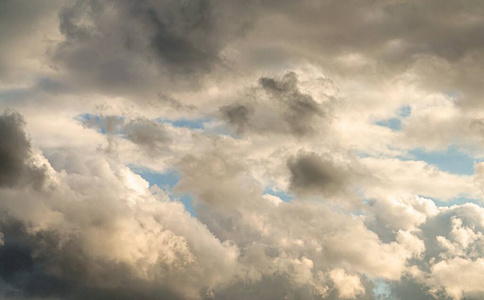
[259, 149]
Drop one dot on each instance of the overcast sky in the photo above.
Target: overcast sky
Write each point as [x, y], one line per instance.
[240, 150]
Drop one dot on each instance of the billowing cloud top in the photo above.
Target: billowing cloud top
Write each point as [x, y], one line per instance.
[260, 149]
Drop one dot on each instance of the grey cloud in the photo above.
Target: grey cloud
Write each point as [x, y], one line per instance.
[271, 288]
[302, 109]
[42, 265]
[99, 233]
[408, 288]
[20, 24]
[315, 174]
[149, 135]
[175, 104]
[302, 240]
[126, 46]
[15, 154]
[57, 242]
[279, 287]
[61, 245]
[237, 115]
[376, 40]
[370, 27]
[277, 106]
[176, 50]
[129, 47]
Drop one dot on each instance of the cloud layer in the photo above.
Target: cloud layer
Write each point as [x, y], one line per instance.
[263, 149]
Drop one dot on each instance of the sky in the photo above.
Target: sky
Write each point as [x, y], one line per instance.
[256, 149]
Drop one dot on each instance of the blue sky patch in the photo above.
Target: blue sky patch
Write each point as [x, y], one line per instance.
[450, 160]
[187, 123]
[88, 118]
[393, 123]
[404, 111]
[99, 122]
[381, 288]
[166, 181]
[454, 201]
[285, 196]
[396, 123]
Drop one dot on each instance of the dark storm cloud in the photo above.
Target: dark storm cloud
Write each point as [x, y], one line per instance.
[43, 265]
[277, 106]
[312, 173]
[126, 46]
[15, 154]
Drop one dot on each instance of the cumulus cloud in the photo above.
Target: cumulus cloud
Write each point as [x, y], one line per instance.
[349, 286]
[106, 223]
[265, 149]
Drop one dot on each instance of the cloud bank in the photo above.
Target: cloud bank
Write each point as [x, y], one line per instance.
[261, 149]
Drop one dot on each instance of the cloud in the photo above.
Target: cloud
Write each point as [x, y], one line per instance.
[287, 185]
[392, 215]
[459, 277]
[176, 42]
[277, 106]
[149, 135]
[98, 222]
[301, 239]
[15, 154]
[313, 174]
[349, 286]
